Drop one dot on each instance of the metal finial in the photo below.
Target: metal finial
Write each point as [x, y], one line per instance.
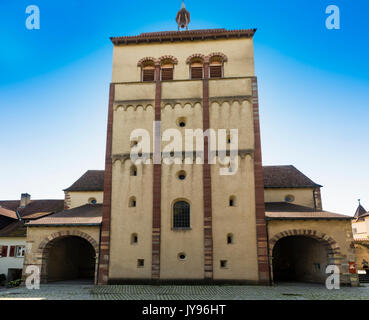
[183, 17]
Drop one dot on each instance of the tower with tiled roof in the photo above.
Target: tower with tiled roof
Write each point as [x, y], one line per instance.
[183, 221]
[359, 211]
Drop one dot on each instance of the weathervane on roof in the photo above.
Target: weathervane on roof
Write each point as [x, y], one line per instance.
[183, 17]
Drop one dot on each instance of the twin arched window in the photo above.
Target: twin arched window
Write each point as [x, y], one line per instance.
[149, 67]
[166, 69]
[216, 63]
[181, 215]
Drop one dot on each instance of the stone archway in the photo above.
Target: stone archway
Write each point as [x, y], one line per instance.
[310, 240]
[49, 242]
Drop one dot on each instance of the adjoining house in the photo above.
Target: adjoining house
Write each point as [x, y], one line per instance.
[302, 238]
[13, 215]
[65, 245]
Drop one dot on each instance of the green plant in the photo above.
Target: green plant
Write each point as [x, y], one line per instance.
[14, 283]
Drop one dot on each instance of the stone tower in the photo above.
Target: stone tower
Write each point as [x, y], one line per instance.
[183, 221]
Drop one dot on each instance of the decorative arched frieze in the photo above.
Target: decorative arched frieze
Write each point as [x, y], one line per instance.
[173, 105]
[119, 107]
[139, 106]
[220, 55]
[135, 107]
[196, 56]
[170, 58]
[243, 153]
[127, 156]
[147, 60]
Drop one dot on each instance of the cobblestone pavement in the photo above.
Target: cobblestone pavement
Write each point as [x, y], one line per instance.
[86, 291]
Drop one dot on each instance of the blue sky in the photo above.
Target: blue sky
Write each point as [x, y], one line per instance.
[313, 87]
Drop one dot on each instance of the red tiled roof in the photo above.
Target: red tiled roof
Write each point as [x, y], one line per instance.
[38, 206]
[35, 208]
[10, 204]
[92, 180]
[14, 229]
[284, 210]
[286, 177]
[88, 214]
[190, 35]
[8, 213]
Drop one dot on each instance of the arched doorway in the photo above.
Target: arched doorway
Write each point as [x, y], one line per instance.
[299, 258]
[302, 256]
[68, 256]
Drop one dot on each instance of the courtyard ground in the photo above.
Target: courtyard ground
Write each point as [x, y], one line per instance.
[87, 291]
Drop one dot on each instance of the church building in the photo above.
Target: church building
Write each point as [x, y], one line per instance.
[170, 218]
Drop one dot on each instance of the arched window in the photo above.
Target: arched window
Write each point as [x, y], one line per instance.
[132, 202]
[232, 201]
[167, 71]
[229, 238]
[216, 67]
[133, 171]
[148, 71]
[181, 215]
[134, 238]
[197, 69]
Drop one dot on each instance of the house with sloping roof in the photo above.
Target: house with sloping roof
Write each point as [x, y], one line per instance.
[293, 211]
[87, 189]
[360, 223]
[69, 239]
[13, 232]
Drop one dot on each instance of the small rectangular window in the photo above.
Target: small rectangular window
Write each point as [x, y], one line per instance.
[148, 75]
[166, 74]
[19, 251]
[223, 263]
[215, 71]
[196, 73]
[140, 263]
